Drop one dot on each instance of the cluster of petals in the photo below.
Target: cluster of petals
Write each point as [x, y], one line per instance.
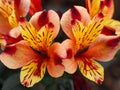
[29, 44]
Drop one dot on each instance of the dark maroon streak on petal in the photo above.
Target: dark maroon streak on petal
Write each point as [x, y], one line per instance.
[69, 53]
[10, 50]
[75, 14]
[114, 42]
[108, 3]
[108, 31]
[17, 3]
[43, 19]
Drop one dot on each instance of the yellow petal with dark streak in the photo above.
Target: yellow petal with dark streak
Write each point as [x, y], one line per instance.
[85, 35]
[91, 70]
[29, 33]
[45, 37]
[32, 73]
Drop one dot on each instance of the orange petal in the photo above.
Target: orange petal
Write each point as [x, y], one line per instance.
[15, 32]
[107, 7]
[56, 52]
[35, 6]
[104, 48]
[13, 20]
[2, 42]
[88, 5]
[4, 25]
[21, 7]
[54, 67]
[70, 65]
[91, 69]
[14, 56]
[76, 13]
[6, 8]
[69, 62]
[43, 18]
[32, 73]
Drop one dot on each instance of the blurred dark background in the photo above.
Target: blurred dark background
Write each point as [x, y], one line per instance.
[9, 79]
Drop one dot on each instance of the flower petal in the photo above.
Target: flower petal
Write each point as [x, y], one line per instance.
[91, 69]
[2, 42]
[32, 73]
[104, 48]
[42, 18]
[69, 62]
[15, 32]
[85, 35]
[14, 56]
[93, 7]
[75, 13]
[70, 65]
[29, 34]
[57, 49]
[38, 39]
[107, 7]
[21, 7]
[35, 6]
[13, 20]
[114, 25]
[54, 66]
[45, 37]
[96, 6]
[5, 8]
[107, 30]
[4, 25]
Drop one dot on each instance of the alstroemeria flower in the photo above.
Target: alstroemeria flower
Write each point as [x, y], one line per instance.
[107, 8]
[35, 6]
[87, 44]
[37, 51]
[10, 13]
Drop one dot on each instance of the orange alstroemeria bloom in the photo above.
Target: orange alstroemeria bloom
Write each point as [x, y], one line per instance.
[107, 8]
[87, 44]
[10, 13]
[37, 51]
